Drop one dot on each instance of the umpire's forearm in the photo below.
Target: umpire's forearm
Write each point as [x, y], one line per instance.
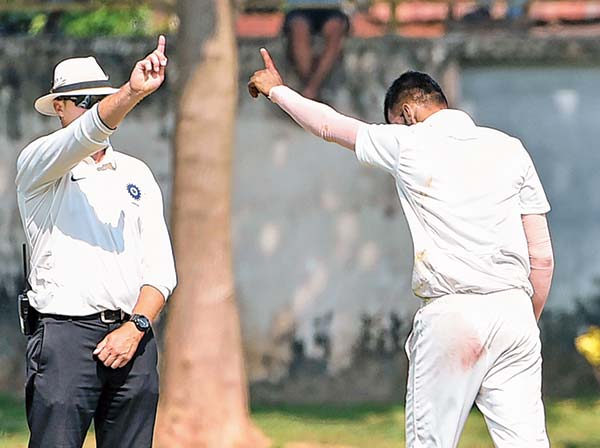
[114, 108]
[150, 302]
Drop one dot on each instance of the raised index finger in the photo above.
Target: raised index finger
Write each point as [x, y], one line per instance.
[269, 64]
[162, 42]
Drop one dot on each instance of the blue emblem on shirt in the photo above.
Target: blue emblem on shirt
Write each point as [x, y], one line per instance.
[134, 191]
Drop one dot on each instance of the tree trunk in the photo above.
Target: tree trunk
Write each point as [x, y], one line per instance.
[204, 401]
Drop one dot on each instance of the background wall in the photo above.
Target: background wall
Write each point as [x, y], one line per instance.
[322, 252]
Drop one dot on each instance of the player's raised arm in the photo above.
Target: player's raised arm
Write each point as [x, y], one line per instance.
[317, 118]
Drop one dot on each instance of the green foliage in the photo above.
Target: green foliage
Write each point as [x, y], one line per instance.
[37, 24]
[566, 373]
[15, 22]
[106, 22]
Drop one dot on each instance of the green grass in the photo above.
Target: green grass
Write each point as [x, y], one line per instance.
[13, 428]
[571, 424]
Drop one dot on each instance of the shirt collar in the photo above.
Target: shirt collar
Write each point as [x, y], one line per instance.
[109, 161]
[450, 119]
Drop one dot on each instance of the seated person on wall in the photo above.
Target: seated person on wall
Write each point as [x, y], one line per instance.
[515, 10]
[304, 18]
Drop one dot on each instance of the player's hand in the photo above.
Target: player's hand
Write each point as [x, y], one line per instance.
[149, 73]
[119, 346]
[264, 80]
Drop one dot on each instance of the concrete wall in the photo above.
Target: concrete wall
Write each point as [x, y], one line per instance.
[322, 252]
[555, 111]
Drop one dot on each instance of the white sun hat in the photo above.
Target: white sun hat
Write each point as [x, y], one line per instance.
[75, 76]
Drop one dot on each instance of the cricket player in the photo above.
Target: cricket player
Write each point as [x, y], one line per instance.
[483, 259]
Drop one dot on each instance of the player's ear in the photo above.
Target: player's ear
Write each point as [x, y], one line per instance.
[409, 114]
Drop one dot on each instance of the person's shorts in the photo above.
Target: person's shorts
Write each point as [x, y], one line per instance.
[316, 17]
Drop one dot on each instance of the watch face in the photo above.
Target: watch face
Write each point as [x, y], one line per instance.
[141, 322]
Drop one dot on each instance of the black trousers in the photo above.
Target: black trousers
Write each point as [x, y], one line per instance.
[316, 18]
[67, 387]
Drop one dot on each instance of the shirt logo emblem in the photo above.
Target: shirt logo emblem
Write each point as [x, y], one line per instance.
[73, 179]
[134, 191]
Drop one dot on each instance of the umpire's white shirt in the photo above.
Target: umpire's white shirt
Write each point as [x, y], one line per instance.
[96, 230]
[463, 189]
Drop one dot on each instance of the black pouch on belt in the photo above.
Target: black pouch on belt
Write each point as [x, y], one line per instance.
[28, 315]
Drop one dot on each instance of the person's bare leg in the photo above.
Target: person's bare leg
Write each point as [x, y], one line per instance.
[301, 47]
[334, 32]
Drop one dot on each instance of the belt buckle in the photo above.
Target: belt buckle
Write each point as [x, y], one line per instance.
[108, 320]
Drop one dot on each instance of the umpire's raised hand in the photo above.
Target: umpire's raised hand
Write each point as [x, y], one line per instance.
[149, 73]
[147, 76]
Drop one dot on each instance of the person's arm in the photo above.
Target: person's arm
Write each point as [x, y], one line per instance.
[51, 157]
[534, 205]
[119, 346]
[158, 280]
[541, 259]
[158, 264]
[147, 76]
[317, 118]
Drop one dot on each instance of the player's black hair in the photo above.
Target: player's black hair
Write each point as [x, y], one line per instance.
[416, 87]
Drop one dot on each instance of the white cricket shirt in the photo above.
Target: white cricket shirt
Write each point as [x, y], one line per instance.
[463, 189]
[96, 230]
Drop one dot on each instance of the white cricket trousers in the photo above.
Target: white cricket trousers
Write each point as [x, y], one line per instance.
[475, 348]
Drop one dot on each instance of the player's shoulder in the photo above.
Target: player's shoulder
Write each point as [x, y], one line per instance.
[133, 164]
[500, 138]
[388, 127]
[391, 132]
[137, 172]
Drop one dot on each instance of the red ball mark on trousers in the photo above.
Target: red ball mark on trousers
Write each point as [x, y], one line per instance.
[471, 353]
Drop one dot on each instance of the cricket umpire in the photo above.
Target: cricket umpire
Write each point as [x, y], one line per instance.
[101, 263]
[483, 258]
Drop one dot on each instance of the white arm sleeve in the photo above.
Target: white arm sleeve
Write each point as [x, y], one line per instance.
[157, 252]
[317, 118]
[51, 157]
[541, 259]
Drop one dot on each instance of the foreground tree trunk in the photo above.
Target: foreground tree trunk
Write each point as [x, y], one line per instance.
[204, 400]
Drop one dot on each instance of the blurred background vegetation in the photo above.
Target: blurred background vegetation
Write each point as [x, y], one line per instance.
[79, 19]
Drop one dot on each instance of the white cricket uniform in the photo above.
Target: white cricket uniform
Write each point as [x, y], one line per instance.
[96, 230]
[463, 189]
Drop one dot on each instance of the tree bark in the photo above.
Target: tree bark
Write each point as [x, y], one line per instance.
[204, 400]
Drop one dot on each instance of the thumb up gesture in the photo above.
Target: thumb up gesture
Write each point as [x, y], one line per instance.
[264, 80]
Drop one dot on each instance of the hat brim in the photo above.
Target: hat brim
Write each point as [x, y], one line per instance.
[44, 103]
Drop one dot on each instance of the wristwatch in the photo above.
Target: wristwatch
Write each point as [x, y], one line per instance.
[142, 323]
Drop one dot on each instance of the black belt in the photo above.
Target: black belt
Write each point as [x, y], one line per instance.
[107, 317]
